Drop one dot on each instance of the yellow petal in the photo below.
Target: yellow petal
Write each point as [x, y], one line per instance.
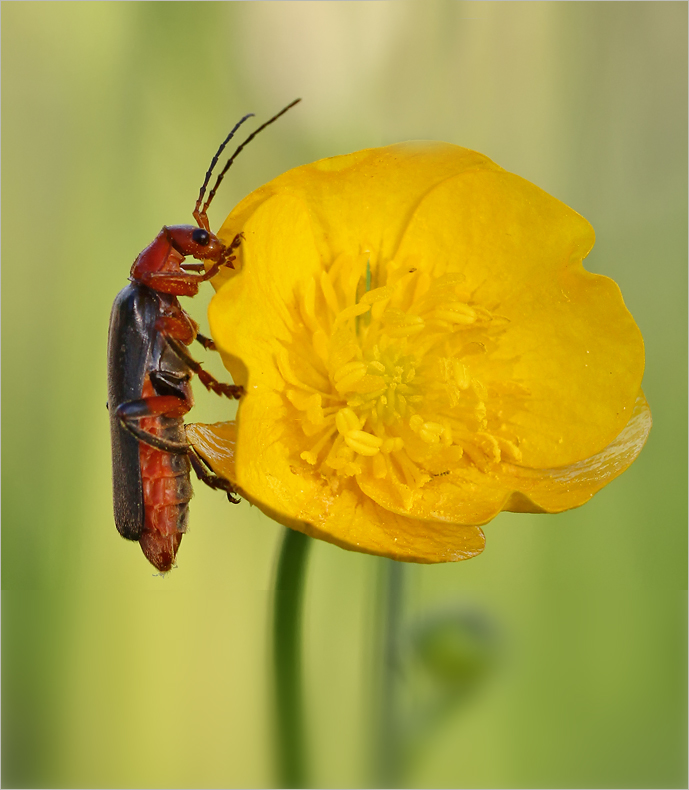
[348, 194]
[569, 339]
[467, 496]
[300, 502]
[555, 490]
[253, 313]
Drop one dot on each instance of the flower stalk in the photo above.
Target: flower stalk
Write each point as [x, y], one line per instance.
[387, 758]
[291, 762]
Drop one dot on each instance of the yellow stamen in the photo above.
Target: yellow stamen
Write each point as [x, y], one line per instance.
[329, 293]
[402, 354]
[363, 443]
[346, 421]
[380, 468]
[377, 295]
[348, 375]
[311, 456]
[351, 312]
[430, 432]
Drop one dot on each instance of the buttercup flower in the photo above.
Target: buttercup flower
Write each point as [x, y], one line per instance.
[421, 348]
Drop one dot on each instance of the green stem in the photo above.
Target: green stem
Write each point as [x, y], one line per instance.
[287, 617]
[390, 769]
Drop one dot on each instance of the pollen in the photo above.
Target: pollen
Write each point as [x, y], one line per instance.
[387, 380]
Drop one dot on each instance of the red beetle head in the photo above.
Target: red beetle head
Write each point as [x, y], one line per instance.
[200, 243]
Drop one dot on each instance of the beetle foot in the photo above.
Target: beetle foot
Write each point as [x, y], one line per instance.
[211, 480]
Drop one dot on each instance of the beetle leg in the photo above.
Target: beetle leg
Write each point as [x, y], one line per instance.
[166, 382]
[175, 283]
[211, 480]
[208, 381]
[215, 268]
[236, 241]
[226, 260]
[180, 284]
[130, 412]
[206, 342]
[181, 327]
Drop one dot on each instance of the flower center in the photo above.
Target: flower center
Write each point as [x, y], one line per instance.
[388, 380]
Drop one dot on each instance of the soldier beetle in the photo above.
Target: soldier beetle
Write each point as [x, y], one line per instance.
[149, 377]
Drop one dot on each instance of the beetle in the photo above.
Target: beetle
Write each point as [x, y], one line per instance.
[149, 378]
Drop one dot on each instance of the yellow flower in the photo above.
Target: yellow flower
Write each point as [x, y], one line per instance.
[421, 348]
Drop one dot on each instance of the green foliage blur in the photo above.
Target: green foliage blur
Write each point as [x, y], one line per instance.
[114, 677]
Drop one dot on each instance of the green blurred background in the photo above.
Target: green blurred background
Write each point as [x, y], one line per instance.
[114, 677]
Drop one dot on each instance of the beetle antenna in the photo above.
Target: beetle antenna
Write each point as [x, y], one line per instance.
[200, 216]
[211, 194]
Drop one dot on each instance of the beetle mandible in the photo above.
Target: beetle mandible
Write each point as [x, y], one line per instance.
[149, 375]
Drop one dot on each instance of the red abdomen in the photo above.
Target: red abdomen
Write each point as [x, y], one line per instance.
[166, 490]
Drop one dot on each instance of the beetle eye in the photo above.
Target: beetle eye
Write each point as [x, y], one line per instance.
[201, 237]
